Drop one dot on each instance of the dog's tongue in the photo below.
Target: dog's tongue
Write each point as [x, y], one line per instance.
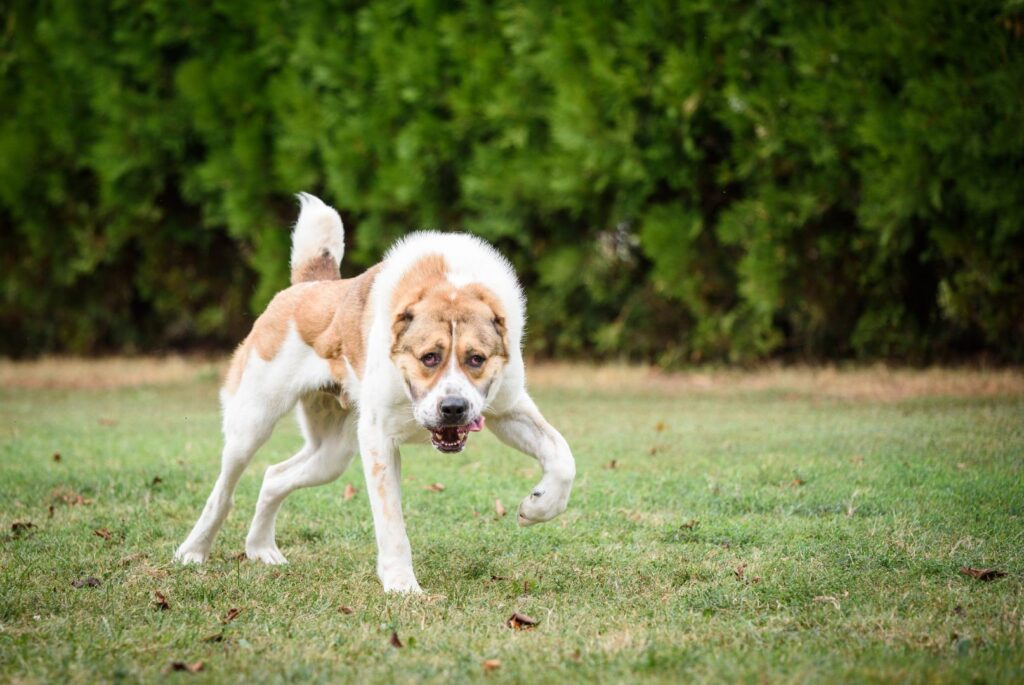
[477, 425]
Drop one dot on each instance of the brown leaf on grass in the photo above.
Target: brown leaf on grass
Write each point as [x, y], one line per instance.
[518, 621]
[691, 524]
[160, 601]
[69, 497]
[435, 487]
[102, 533]
[216, 637]
[345, 609]
[56, 456]
[395, 642]
[796, 482]
[739, 571]
[350, 492]
[85, 582]
[491, 664]
[107, 422]
[652, 450]
[985, 574]
[499, 509]
[659, 426]
[193, 667]
[20, 528]
[612, 464]
[49, 511]
[231, 615]
[157, 480]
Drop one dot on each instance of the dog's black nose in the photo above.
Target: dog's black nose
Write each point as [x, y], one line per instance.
[453, 410]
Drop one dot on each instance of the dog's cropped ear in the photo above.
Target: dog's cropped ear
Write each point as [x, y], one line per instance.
[499, 325]
[399, 326]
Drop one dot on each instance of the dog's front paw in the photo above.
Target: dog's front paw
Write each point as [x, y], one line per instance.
[190, 556]
[543, 504]
[400, 579]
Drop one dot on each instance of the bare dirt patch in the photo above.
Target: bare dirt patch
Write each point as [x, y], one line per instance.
[875, 383]
[73, 373]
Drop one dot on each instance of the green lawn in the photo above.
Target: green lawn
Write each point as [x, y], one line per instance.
[747, 532]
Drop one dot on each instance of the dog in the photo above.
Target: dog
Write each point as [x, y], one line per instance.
[424, 345]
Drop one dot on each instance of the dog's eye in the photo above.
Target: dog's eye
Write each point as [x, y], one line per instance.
[476, 361]
[431, 359]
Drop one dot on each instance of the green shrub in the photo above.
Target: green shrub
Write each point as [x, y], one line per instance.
[674, 181]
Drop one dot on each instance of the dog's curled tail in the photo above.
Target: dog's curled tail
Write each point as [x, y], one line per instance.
[318, 241]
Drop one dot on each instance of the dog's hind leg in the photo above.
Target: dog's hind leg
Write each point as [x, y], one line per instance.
[241, 440]
[265, 391]
[331, 443]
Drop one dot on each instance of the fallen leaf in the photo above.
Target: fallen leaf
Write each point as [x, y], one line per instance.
[492, 664]
[982, 573]
[350, 492]
[797, 482]
[194, 667]
[85, 582]
[19, 528]
[576, 655]
[435, 487]
[691, 524]
[612, 464]
[157, 480]
[231, 615]
[108, 422]
[651, 451]
[395, 642]
[69, 497]
[518, 621]
[102, 532]
[49, 511]
[160, 601]
[739, 571]
[660, 426]
[345, 609]
[56, 456]
[498, 509]
[216, 637]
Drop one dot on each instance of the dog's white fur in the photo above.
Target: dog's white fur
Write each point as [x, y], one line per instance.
[383, 414]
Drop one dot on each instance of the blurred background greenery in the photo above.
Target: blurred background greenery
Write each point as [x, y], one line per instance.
[675, 181]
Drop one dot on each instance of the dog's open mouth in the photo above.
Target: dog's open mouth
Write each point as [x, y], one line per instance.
[453, 438]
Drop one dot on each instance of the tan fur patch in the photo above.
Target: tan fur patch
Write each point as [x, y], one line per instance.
[329, 316]
[320, 268]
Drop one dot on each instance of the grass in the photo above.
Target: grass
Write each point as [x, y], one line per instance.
[799, 526]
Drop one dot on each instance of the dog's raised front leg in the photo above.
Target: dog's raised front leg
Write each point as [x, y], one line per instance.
[525, 428]
[382, 467]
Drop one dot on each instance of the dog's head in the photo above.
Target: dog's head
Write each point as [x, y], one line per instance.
[449, 343]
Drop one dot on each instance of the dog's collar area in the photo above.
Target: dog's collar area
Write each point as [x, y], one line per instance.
[452, 439]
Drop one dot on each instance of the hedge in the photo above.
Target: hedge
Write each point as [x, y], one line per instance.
[675, 181]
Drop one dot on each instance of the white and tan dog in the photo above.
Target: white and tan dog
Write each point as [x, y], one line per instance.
[425, 343]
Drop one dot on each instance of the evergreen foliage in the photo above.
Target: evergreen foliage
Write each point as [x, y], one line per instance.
[709, 180]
